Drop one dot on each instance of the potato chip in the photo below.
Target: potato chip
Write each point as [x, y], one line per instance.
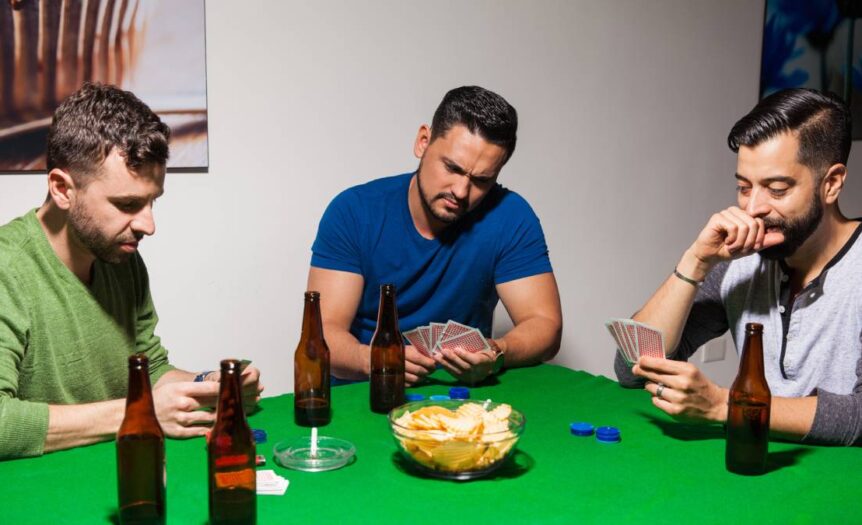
[469, 438]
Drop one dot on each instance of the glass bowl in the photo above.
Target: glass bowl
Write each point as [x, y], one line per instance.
[458, 438]
[329, 454]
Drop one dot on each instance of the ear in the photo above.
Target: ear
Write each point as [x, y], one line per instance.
[61, 188]
[423, 139]
[833, 183]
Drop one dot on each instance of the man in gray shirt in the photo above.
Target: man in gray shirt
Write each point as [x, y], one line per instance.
[787, 258]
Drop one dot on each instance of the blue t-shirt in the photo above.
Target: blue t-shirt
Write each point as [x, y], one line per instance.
[368, 230]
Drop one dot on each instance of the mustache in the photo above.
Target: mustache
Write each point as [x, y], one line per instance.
[451, 197]
[132, 237]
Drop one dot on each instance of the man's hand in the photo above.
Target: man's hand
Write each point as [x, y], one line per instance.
[251, 386]
[467, 367]
[417, 365]
[731, 234]
[178, 407]
[686, 393]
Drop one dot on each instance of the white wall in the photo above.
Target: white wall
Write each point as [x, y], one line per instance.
[624, 108]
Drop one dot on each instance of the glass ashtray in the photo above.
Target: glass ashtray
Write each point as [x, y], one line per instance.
[331, 453]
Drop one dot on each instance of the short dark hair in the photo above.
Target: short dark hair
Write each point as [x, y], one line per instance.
[98, 118]
[821, 120]
[482, 112]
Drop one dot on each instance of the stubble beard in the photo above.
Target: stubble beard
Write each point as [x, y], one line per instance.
[84, 227]
[796, 231]
[427, 201]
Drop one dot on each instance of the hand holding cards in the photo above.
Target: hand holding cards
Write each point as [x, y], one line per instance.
[635, 339]
[432, 338]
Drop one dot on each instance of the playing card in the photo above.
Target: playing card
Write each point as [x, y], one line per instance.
[453, 329]
[436, 333]
[618, 340]
[628, 346]
[650, 341]
[472, 341]
[416, 340]
[425, 333]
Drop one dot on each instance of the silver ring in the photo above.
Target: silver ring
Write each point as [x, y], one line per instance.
[659, 390]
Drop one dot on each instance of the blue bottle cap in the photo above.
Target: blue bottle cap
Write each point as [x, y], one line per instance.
[439, 397]
[581, 429]
[608, 434]
[414, 397]
[259, 435]
[459, 392]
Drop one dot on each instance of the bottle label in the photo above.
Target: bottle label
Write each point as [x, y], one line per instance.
[235, 478]
[232, 460]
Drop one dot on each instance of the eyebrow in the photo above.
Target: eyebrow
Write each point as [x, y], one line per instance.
[461, 171]
[769, 180]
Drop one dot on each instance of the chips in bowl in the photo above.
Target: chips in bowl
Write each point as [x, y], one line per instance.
[457, 439]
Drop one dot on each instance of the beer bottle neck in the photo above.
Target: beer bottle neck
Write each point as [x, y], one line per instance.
[752, 356]
[230, 409]
[140, 396]
[387, 314]
[312, 326]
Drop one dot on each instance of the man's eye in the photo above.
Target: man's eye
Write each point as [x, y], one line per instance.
[743, 190]
[777, 192]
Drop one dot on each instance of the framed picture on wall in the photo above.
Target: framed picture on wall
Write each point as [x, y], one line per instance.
[815, 44]
[49, 48]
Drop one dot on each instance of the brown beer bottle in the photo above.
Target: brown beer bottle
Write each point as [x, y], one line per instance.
[748, 409]
[140, 452]
[231, 451]
[387, 356]
[311, 401]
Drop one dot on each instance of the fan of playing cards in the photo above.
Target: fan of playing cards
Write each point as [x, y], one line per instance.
[432, 338]
[635, 339]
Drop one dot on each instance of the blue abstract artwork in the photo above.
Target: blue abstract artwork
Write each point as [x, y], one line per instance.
[815, 44]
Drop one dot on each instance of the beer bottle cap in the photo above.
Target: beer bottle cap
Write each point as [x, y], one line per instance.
[414, 397]
[581, 429]
[259, 435]
[459, 392]
[608, 434]
[439, 397]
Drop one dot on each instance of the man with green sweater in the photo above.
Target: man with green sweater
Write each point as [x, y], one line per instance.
[74, 293]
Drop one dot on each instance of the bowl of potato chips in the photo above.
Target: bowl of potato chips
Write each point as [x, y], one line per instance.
[456, 439]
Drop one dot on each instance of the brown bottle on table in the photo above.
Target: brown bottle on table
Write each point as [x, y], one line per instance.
[231, 455]
[748, 409]
[140, 452]
[387, 356]
[311, 401]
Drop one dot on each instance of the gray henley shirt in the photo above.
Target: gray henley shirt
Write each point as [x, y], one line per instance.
[812, 344]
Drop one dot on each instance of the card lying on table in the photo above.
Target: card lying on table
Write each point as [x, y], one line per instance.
[635, 339]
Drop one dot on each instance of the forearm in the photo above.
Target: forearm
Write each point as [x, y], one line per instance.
[790, 418]
[531, 341]
[76, 425]
[668, 309]
[175, 376]
[349, 359]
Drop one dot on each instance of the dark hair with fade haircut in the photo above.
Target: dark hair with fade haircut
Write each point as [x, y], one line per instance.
[482, 112]
[821, 120]
[98, 118]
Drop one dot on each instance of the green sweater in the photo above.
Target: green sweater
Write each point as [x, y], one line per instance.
[62, 342]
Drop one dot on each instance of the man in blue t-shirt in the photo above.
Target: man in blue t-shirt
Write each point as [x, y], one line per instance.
[451, 239]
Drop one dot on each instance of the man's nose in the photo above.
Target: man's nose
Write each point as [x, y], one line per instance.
[757, 205]
[461, 188]
[144, 222]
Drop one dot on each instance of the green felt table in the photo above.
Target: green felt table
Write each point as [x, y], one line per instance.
[661, 472]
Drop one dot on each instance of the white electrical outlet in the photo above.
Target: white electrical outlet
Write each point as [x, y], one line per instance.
[714, 350]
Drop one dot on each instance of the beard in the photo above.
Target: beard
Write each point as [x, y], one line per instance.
[103, 247]
[796, 231]
[427, 202]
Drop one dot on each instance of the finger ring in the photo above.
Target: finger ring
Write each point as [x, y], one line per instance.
[659, 390]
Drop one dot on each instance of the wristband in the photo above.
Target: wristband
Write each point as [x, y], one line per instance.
[200, 377]
[689, 280]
